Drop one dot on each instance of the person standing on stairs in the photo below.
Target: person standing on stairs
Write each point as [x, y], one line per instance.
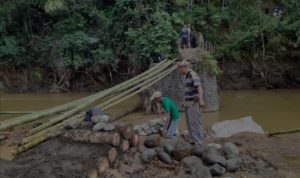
[193, 101]
[184, 37]
[189, 35]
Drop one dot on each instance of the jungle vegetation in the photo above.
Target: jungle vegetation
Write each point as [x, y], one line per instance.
[111, 40]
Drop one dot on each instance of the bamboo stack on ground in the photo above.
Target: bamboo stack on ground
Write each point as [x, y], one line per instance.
[115, 94]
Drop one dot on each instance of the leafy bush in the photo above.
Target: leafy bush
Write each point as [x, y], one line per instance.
[133, 33]
[72, 49]
[11, 51]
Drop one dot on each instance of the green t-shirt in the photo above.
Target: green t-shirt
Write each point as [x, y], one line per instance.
[170, 107]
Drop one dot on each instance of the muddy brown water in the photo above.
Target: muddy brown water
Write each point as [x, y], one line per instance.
[274, 110]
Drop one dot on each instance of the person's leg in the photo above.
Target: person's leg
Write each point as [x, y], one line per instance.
[188, 122]
[195, 131]
[172, 128]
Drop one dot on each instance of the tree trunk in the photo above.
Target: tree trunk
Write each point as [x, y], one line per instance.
[103, 165]
[112, 139]
[134, 140]
[112, 155]
[124, 146]
[126, 130]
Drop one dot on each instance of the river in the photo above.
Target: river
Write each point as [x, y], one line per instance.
[273, 109]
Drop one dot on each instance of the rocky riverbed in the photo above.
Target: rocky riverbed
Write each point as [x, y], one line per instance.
[241, 155]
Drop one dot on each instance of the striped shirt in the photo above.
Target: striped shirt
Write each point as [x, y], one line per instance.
[192, 81]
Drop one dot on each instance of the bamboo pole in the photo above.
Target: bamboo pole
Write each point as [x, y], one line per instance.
[34, 116]
[17, 112]
[88, 103]
[143, 88]
[32, 143]
[284, 132]
[47, 132]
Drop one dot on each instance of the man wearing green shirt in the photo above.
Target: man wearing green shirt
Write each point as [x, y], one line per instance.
[169, 107]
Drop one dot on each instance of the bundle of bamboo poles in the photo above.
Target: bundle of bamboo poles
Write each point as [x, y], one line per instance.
[75, 110]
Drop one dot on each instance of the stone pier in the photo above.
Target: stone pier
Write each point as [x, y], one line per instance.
[172, 85]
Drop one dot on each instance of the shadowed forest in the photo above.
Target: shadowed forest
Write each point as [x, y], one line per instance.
[87, 45]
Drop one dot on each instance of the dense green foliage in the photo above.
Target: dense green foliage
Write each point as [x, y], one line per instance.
[103, 35]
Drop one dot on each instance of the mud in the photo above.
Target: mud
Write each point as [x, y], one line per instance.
[57, 157]
[262, 157]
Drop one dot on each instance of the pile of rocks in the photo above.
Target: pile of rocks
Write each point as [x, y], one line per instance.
[94, 118]
[154, 126]
[101, 123]
[211, 160]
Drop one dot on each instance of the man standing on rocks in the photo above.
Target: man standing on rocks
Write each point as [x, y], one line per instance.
[193, 101]
[169, 107]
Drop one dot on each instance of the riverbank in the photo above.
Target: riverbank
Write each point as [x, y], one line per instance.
[237, 75]
[241, 75]
[262, 157]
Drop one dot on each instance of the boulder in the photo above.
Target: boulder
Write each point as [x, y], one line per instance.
[100, 118]
[158, 149]
[214, 158]
[92, 112]
[181, 150]
[168, 148]
[152, 141]
[164, 157]
[199, 171]
[3, 137]
[156, 122]
[236, 157]
[215, 145]
[232, 165]
[152, 127]
[85, 125]
[143, 129]
[72, 124]
[230, 127]
[230, 148]
[103, 126]
[190, 161]
[148, 155]
[93, 173]
[198, 152]
[103, 165]
[217, 170]
[212, 150]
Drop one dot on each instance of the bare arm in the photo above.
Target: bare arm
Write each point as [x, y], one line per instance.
[200, 92]
[200, 95]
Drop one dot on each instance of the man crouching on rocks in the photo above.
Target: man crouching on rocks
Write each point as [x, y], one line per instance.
[193, 101]
[169, 107]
